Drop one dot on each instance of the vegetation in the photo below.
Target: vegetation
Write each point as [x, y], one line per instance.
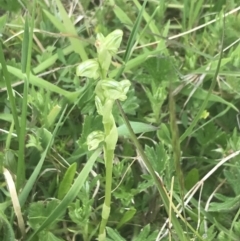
[119, 120]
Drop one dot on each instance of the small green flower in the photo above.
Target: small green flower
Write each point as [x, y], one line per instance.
[107, 47]
[109, 43]
[112, 89]
[94, 139]
[89, 69]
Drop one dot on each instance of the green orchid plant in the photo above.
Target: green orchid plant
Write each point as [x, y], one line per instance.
[107, 92]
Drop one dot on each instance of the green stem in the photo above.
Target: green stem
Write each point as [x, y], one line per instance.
[108, 156]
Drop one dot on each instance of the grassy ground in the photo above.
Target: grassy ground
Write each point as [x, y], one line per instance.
[119, 120]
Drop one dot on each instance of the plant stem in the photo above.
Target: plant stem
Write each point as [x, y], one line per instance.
[108, 156]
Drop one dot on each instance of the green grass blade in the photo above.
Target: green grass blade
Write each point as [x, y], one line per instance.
[77, 45]
[26, 64]
[51, 60]
[25, 44]
[24, 61]
[205, 101]
[39, 82]
[133, 63]
[28, 187]
[9, 89]
[132, 37]
[73, 192]
[202, 94]
[7, 227]
[55, 21]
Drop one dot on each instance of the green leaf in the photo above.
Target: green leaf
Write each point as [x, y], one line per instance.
[126, 217]
[158, 157]
[113, 235]
[228, 204]
[7, 233]
[39, 211]
[138, 127]
[3, 20]
[192, 178]
[233, 178]
[160, 68]
[143, 236]
[163, 134]
[48, 236]
[10, 5]
[69, 197]
[69, 28]
[202, 94]
[67, 181]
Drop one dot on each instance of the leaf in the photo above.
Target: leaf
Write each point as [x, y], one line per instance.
[158, 157]
[69, 28]
[192, 178]
[202, 94]
[143, 235]
[138, 127]
[233, 178]
[67, 181]
[7, 233]
[163, 134]
[160, 68]
[114, 235]
[10, 5]
[39, 211]
[69, 197]
[229, 204]
[3, 20]
[48, 236]
[126, 217]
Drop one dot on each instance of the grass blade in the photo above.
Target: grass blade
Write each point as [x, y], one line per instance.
[9, 89]
[69, 27]
[73, 192]
[205, 101]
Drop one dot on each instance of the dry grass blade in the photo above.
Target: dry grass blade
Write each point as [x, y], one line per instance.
[15, 200]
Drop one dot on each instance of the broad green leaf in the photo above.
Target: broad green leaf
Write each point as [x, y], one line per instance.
[67, 180]
[192, 178]
[113, 235]
[138, 127]
[128, 215]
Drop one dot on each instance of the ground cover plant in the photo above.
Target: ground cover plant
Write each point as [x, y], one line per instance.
[119, 120]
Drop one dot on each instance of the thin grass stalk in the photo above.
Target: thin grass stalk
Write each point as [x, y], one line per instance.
[157, 181]
[176, 148]
[21, 160]
[212, 86]
[26, 64]
[9, 90]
